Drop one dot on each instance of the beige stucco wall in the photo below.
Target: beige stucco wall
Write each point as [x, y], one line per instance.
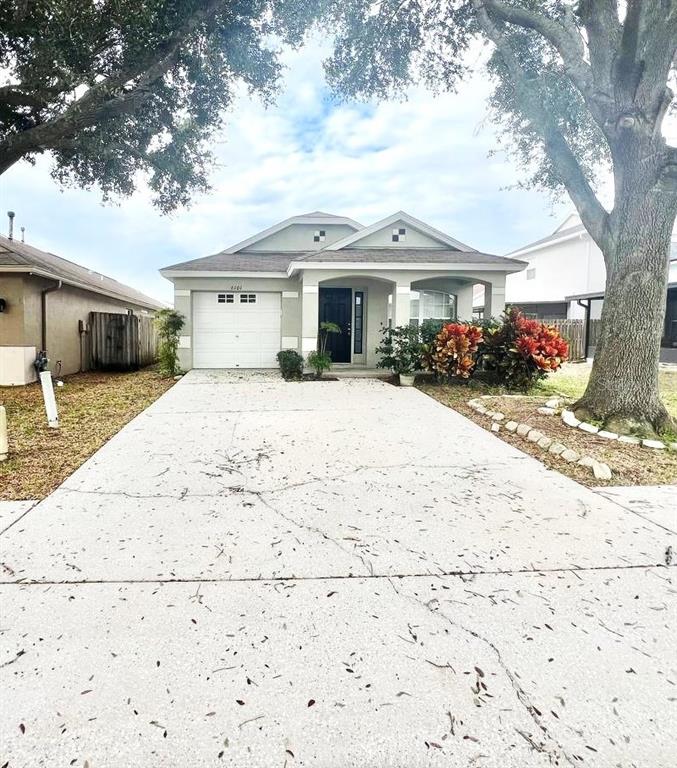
[65, 308]
[299, 237]
[383, 238]
[12, 319]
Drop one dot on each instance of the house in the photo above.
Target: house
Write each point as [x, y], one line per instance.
[45, 303]
[565, 279]
[271, 291]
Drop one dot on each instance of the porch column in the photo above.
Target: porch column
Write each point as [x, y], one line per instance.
[309, 315]
[494, 297]
[464, 298]
[401, 303]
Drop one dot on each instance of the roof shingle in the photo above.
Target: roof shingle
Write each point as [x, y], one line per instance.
[25, 257]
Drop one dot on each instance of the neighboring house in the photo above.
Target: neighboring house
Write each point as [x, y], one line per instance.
[565, 279]
[271, 291]
[45, 303]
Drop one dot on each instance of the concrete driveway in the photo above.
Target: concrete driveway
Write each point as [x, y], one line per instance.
[254, 573]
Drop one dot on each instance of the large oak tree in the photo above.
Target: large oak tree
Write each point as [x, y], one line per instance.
[111, 88]
[581, 89]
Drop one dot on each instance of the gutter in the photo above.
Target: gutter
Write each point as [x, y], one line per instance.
[43, 302]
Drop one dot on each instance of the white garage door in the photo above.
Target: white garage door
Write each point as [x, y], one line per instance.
[236, 330]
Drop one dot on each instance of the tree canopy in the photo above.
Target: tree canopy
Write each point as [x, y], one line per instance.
[569, 77]
[114, 87]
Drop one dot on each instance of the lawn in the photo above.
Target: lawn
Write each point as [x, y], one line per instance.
[92, 408]
[630, 465]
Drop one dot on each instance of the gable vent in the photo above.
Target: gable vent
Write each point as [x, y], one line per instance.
[399, 235]
[320, 236]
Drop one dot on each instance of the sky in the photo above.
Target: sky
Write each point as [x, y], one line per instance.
[426, 154]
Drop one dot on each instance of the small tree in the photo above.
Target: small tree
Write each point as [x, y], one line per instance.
[320, 359]
[169, 323]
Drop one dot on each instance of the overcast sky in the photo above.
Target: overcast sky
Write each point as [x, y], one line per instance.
[427, 155]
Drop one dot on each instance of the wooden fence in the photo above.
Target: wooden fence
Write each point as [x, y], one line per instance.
[574, 332]
[121, 342]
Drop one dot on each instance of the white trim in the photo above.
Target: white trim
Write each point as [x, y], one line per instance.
[275, 228]
[181, 292]
[290, 294]
[403, 290]
[311, 289]
[308, 344]
[213, 273]
[290, 342]
[376, 268]
[426, 229]
[548, 243]
[184, 342]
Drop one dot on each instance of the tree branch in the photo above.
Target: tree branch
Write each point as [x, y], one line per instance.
[110, 98]
[594, 216]
[565, 39]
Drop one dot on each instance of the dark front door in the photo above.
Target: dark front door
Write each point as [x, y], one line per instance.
[336, 307]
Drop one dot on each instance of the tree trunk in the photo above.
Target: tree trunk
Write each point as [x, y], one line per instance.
[622, 391]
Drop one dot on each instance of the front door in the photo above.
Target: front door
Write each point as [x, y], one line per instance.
[336, 307]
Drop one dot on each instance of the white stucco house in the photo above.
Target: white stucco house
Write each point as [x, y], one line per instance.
[271, 291]
[565, 279]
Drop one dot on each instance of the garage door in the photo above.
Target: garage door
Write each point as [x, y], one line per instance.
[236, 330]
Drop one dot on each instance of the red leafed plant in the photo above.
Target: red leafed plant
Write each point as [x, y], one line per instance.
[520, 351]
[453, 353]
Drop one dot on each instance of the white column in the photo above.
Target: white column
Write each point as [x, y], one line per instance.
[309, 315]
[494, 297]
[401, 303]
[464, 296]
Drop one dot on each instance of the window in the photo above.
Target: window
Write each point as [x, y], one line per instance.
[359, 321]
[320, 236]
[247, 298]
[431, 305]
[399, 235]
[531, 273]
[225, 298]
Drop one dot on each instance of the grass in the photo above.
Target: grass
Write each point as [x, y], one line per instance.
[630, 465]
[570, 381]
[92, 408]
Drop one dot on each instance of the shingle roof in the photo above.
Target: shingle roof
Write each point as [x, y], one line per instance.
[26, 258]
[408, 256]
[263, 261]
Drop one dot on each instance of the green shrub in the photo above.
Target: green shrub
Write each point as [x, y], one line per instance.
[291, 364]
[400, 349]
[169, 324]
[430, 329]
[319, 362]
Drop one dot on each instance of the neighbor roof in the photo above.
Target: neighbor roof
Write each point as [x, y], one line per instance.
[21, 257]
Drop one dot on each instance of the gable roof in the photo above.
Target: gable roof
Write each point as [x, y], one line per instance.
[558, 236]
[315, 217]
[407, 219]
[24, 258]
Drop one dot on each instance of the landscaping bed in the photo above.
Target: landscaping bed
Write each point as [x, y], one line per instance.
[92, 408]
[629, 464]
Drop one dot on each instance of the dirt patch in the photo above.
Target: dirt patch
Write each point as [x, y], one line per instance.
[630, 465]
[92, 408]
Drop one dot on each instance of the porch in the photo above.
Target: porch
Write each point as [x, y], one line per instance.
[362, 304]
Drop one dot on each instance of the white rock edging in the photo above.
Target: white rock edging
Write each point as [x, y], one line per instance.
[599, 469]
[569, 418]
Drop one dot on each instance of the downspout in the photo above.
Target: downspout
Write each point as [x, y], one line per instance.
[43, 302]
[586, 308]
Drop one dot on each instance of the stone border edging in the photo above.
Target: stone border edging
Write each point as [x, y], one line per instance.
[599, 469]
[569, 418]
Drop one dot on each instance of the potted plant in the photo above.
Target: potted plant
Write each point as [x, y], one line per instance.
[400, 351]
[320, 359]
